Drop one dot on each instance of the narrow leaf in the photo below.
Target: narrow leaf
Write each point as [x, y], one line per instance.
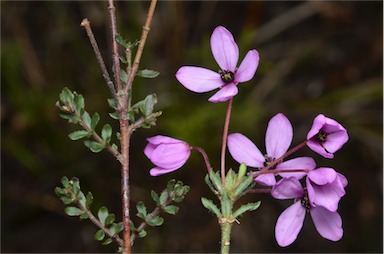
[245, 208]
[142, 233]
[123, 76]
[155, 197]
[171, 209]
[211, 206]
[86, 119]
[89, 200]
[79, 102]
[157, 221]
[107, 241]
[243, 185]
[141, 210]
[163, 197]
[110, 219]
[226, 205]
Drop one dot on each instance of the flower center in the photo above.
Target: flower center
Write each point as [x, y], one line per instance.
[305, 202]
[268, 161]
[226, 76]
[321, 136]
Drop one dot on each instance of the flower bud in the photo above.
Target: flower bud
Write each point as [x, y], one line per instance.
[168, 154]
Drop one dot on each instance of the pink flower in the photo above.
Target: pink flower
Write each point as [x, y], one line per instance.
[168, 154]
[326, 136]
[278, 138]
[327, 223]
[325, 188]
[226, 53]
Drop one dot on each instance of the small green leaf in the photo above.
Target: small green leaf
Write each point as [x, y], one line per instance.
[245, 208]
[230, 179]
[95, 120]
[119, 39]
[107, 241]
[76, 135]
[86, 119]
[142, 233]
[110, 219]
[71, 118]
[211, 206]
[147, 73]
[65, 181]
[106, 133]
[94, 146]
[155, 197]
[157, 221]
[100, 234]
[141, 210]
[84, 216]
[242, 171]
[89, 200]
[244, 186]
[102, 214]
[79, 103]
[148, 104]
[117, 228]
[114, 115]
[163, 197]
[216, 181]
[60, 191]
[171, 209]
[66, 96]
[73, 211]
[112, 103]
[123, 76]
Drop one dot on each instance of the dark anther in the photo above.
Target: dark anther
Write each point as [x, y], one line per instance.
[226, 76]
[321, 136]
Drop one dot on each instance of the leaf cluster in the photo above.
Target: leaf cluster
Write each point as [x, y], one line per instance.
[175, 192]
[235, 186]
[72, 108]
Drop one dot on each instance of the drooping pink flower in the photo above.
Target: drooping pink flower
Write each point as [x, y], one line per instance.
[327, 223]
[278, 138]
[326, 136]
[325, 188]
[168, 154]
[226, 53]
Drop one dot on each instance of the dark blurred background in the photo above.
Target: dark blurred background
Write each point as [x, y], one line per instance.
[316, 57]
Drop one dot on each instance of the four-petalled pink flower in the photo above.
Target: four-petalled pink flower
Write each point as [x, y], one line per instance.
[168, 154]
[226, 53]
[327, 222]
[278, 138]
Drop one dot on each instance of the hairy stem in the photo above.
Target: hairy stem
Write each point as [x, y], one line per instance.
[224, 141]
[225, 237]
[95, 221]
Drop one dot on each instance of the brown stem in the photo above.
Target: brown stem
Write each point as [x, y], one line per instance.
[87, 26]
[140, 49]
[115, 49]
[205, 156]
[95, 221]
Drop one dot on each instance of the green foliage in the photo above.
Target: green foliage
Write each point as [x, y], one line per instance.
[236, 185]
[80, 204]
[174, 193]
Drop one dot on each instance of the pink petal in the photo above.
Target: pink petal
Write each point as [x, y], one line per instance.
[343, 180]
[149, 149]
[335, 141]
[161, 171]
[316, 147]
[159, 139]
[244, 150]
[322, 176]
[279, 136]
[170, 155]
[318, 123]
[248, 67]
[224, 49]
[297, 163]
[224, 94]
[289, 224]
[327, 223]
[287, 188]
[266, 179]
[198, 79]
